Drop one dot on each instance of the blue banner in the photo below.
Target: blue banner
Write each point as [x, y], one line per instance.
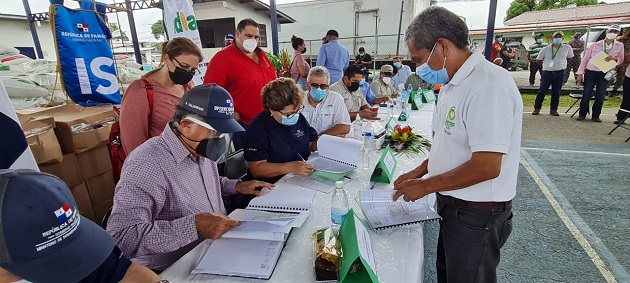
[87, 66]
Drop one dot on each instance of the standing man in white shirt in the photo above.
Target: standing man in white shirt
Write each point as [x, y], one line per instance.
[553, 60]
[324, 109]
[473, 162]
[403, 72]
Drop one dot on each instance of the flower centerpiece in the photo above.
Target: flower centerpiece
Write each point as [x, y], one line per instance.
[404, 140]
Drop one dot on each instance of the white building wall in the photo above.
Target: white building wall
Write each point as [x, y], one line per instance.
[375, 17]
[16, 32]
[230, 9]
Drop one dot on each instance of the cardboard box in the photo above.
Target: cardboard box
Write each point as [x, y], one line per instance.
[84, 204]
[41, 138]
[78, 128]
[94, 162]
[101, 189]
[67, 170]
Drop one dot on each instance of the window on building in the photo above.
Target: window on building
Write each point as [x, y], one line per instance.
[263, 35]
[212, 32]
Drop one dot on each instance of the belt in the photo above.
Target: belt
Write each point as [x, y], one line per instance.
[460, 203]
[554, 71]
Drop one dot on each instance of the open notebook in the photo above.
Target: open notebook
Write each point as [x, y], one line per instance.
[284, 196]
[337, 156]
[381, 212]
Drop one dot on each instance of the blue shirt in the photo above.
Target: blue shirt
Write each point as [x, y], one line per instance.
[334, 57]
[367, 92]
[266, 139]
[401, 77]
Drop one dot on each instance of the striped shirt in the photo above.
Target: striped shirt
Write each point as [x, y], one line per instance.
[535, 48]
[161, 188]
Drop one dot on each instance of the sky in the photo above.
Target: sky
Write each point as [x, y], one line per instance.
[475, 12]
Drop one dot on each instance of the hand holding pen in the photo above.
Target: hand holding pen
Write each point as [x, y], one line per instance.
[301, 167]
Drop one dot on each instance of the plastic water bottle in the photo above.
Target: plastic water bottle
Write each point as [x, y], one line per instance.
[368, 147]
[338, 205]
[409, 91]
[390, 108]
[358, 128]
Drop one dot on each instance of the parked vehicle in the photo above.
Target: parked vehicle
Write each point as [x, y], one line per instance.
[521, 56]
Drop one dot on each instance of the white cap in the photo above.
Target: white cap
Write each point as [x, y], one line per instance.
[339, 184]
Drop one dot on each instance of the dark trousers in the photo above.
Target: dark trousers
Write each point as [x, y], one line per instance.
[621, 73]
[550, 79]
[470, 242]
[573, 65]
[593, 79]
[533, 69]
[625, 101]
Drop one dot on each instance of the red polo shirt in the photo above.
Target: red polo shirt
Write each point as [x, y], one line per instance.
[242, 78]
[495, 50]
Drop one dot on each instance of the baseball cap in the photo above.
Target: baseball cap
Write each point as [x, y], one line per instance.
[333, 33]
[558, 32]
[214, 104]
[614, 27]
[229, 36]
[539, 35]
[387, 69]
[43, 238]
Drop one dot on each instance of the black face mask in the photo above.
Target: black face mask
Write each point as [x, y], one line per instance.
[180, 76]
[212, 148]
[304, 51]
[353, 87]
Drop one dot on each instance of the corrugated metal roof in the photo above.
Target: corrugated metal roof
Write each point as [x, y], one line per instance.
[553, 26]
[600, 11]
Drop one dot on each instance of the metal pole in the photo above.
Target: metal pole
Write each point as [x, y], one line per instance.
[492, 13]
[31, 26]
[274, 27]
[402, 3]
[134, 34]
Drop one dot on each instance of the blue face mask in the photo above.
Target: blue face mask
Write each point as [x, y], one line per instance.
[362, 82]
[398, 64]
[557, 41]
[290, 121]
[317, 94]
[432, 76]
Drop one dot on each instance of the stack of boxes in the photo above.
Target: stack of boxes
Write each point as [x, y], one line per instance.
[77, 153]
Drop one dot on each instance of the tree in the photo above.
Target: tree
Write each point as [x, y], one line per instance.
[518, 7]
[157, 29]
[113, 27]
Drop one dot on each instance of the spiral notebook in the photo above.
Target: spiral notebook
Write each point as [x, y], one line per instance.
[284, 197]
[382, 213]
[337, 156]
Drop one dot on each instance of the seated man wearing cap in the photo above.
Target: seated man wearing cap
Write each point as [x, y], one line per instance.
[382, 87]
[352, 95]
[46, 240]
[370, 97]
[324, 109]
[169, 197]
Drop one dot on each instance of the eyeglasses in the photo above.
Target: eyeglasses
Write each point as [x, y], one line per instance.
[290, 115]
[194, 71]
[319, 86]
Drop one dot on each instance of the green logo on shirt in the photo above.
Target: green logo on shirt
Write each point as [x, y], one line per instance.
[450, 120]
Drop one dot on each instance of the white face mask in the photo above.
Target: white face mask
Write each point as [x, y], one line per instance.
[611, 35]
[250, 45]
[387, 80]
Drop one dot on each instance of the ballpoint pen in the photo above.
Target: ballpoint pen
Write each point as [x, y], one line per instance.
[302, 158]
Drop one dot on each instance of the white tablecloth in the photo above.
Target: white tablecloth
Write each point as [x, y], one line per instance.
[399, 252]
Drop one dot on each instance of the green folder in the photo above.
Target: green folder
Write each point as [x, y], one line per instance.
[330, 175]
[384, 170]
[357, 263]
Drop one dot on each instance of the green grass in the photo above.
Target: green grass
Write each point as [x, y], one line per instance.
[566, 101]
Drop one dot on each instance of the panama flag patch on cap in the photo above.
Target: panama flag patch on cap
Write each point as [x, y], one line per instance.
[229, 103]
[63, 213]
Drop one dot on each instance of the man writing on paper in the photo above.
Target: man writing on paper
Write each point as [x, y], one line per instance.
[324, 109]
[473, 162]
[168, 198]
[352, 95]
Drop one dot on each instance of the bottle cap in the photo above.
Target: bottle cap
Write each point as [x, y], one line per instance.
[339, 184]
[368, 134]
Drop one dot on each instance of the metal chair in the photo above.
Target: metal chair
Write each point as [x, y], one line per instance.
[622, 123]
[577, 97]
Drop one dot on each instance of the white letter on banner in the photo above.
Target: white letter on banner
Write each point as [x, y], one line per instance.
[96, 69]
[84, 78]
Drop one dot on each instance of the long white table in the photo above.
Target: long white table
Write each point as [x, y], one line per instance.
[399, 252]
